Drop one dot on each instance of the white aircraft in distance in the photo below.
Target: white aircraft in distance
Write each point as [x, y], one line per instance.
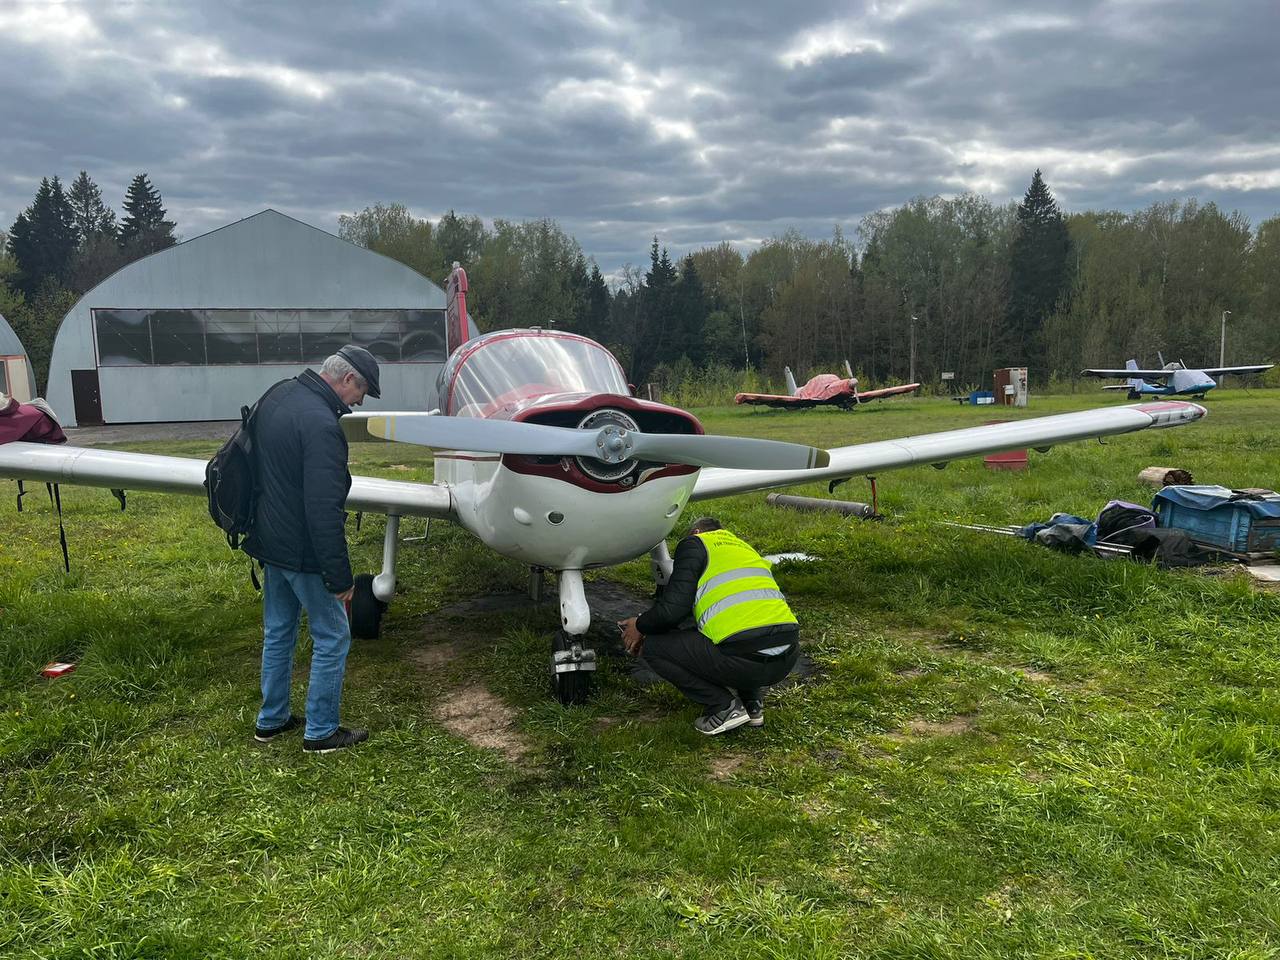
[544, 454]
[1173, 379]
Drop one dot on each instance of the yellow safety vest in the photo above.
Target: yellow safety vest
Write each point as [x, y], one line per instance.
[737, 591]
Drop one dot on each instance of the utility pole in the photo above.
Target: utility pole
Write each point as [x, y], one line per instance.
[1222, 345]
[912, 378]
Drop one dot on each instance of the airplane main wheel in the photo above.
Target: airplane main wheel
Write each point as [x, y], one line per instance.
[366, 610]
[571, 687]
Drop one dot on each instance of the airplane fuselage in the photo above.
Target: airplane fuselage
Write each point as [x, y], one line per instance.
[1181, 382]
[556, 524]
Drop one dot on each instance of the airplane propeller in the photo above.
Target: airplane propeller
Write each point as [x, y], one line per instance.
[610, 443]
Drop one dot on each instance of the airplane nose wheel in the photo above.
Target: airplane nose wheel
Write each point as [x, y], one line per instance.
[572, 669]
[365, 610]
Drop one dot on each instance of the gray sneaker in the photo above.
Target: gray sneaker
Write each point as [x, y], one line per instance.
[715, 722]
[755, 710]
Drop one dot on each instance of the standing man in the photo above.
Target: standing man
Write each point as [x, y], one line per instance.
[298, 536]
[746, 637]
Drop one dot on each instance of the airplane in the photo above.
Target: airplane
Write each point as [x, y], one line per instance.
[826, 389]
[543, 452]
[1175, 379]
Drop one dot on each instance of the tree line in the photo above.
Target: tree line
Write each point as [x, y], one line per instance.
[957, 285]
[975, 285]
[63, 244]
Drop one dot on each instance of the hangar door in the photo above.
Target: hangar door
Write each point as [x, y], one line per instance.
[13, 378]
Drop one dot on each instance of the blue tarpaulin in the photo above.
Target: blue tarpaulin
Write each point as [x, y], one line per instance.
[1209, 496]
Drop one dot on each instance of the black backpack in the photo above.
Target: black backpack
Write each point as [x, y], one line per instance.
[231, 478]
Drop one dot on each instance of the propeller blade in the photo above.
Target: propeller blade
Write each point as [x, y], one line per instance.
[491, 436]
[609, 443]
[735, 453]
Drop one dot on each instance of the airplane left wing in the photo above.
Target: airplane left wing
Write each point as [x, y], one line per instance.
[85, 466]
[872, 458]
[773, 400]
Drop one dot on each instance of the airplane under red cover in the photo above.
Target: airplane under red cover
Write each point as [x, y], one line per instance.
[826, 389]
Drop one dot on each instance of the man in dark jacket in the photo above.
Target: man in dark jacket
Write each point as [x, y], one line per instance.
[745, 638]
[298, 537]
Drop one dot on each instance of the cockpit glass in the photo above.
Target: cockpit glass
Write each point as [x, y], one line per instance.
[509, 369]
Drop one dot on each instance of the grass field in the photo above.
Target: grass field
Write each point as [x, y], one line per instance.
[1007, 752]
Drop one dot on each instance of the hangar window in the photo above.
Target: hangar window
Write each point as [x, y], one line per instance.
[199, 337]
[177, 337]
[231, 336]
[278, 336]
[124, 337]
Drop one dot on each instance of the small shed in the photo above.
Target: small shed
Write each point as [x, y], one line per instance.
[1011, 386]
[17, 379]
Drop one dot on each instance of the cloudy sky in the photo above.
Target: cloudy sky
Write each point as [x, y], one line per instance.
[697, 121]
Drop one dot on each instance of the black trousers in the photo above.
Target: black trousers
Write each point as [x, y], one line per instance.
[712, 674]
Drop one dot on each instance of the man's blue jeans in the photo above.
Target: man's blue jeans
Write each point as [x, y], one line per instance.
[285, 594]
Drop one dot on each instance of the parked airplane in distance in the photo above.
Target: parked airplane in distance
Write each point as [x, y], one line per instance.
[826, 389]
[1173, 379]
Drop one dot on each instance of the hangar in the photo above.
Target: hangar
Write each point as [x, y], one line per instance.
[195, 331]
[16, 376]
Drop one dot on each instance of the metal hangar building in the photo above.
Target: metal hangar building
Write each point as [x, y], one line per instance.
[196, 331]
[16, 376]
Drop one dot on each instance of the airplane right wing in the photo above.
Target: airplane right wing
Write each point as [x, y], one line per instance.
[85, 466]
[871, 458]
[1129, 374]
[886, 391]
[1255, 368]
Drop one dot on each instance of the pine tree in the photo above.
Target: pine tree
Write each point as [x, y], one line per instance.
[144, 229]
[93, 217]
[1037, 272]
[42, 239]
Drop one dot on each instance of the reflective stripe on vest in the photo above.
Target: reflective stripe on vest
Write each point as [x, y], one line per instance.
[736, 591]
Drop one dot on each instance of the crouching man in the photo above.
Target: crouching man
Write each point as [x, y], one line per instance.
[746, 637]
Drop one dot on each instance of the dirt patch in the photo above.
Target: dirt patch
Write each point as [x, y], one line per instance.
[399, 466]
[436, 655]
[483, 720]
[964, 723]
[910, 673]
[1035, 676]
[724, 767]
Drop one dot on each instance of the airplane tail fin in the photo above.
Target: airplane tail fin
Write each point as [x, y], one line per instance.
[460, 326]
[792, 389]
[1136, 384]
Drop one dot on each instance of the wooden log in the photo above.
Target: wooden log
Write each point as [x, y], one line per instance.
[1165, 476]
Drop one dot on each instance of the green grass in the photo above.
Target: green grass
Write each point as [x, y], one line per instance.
[1007, 752]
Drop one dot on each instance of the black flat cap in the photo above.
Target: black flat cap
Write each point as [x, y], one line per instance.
[365, 364]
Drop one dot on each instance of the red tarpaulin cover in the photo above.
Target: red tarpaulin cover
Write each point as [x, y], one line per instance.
[23, 421]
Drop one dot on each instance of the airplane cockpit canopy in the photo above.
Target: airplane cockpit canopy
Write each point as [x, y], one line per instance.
[509, 367]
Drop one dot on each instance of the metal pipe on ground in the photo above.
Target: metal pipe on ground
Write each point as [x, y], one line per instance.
[850, 508]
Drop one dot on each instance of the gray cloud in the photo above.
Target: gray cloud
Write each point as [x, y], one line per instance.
[698, 122]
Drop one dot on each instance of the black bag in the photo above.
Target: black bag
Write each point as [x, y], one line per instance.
[231, 478]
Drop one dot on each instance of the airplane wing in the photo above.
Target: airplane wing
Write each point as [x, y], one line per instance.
[887, 391]
[1129, 374]
[871, 458]
[89, 467]
[1255, 368]
[774, 400]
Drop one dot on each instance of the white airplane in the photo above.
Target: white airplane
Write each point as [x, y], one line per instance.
[1172, 379]
[544, 454]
